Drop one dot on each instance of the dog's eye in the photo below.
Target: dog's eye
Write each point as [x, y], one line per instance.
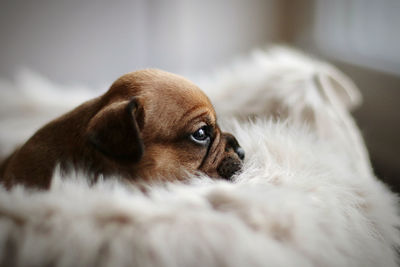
[201, 136]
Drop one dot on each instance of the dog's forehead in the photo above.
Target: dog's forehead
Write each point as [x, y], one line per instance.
[170, 85]
[170, 92]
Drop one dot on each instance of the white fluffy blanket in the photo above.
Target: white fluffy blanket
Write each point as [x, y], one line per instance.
[306, 197]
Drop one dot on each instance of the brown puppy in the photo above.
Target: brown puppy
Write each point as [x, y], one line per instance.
[149, 125]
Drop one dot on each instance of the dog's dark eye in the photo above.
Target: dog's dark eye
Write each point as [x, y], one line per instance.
[201, 136]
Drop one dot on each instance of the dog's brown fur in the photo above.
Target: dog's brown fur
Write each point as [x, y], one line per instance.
[139, 129]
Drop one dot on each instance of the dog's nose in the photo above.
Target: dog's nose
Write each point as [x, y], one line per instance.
[231, 142]
[240, 152]
[234, 144]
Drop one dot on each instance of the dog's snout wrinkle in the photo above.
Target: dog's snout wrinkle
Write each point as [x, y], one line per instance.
[215, 145]
[217, 156]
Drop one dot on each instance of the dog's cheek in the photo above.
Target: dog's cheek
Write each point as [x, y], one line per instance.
[190, 156]
[166, 161]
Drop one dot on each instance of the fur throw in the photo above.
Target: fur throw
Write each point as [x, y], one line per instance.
[306, 197]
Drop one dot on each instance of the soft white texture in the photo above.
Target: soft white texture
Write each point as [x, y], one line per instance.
[306, 196]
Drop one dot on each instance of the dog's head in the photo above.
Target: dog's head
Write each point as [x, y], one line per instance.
[150, 125]
[157, 124]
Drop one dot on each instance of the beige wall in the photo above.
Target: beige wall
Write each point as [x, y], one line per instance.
[360, 32]
[95, 41]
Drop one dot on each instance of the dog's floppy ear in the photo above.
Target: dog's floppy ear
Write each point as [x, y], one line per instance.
[115, 130]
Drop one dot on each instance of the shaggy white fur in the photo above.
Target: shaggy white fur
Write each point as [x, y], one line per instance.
[306, 196]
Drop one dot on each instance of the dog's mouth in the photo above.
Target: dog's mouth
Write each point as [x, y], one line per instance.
[228, 167]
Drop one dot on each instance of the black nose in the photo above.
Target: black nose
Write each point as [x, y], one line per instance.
[240, 152]
[234, 144]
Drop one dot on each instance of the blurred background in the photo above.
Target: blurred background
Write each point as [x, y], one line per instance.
[93, 42]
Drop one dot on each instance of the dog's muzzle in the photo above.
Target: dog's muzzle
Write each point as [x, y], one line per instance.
[232, 163]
